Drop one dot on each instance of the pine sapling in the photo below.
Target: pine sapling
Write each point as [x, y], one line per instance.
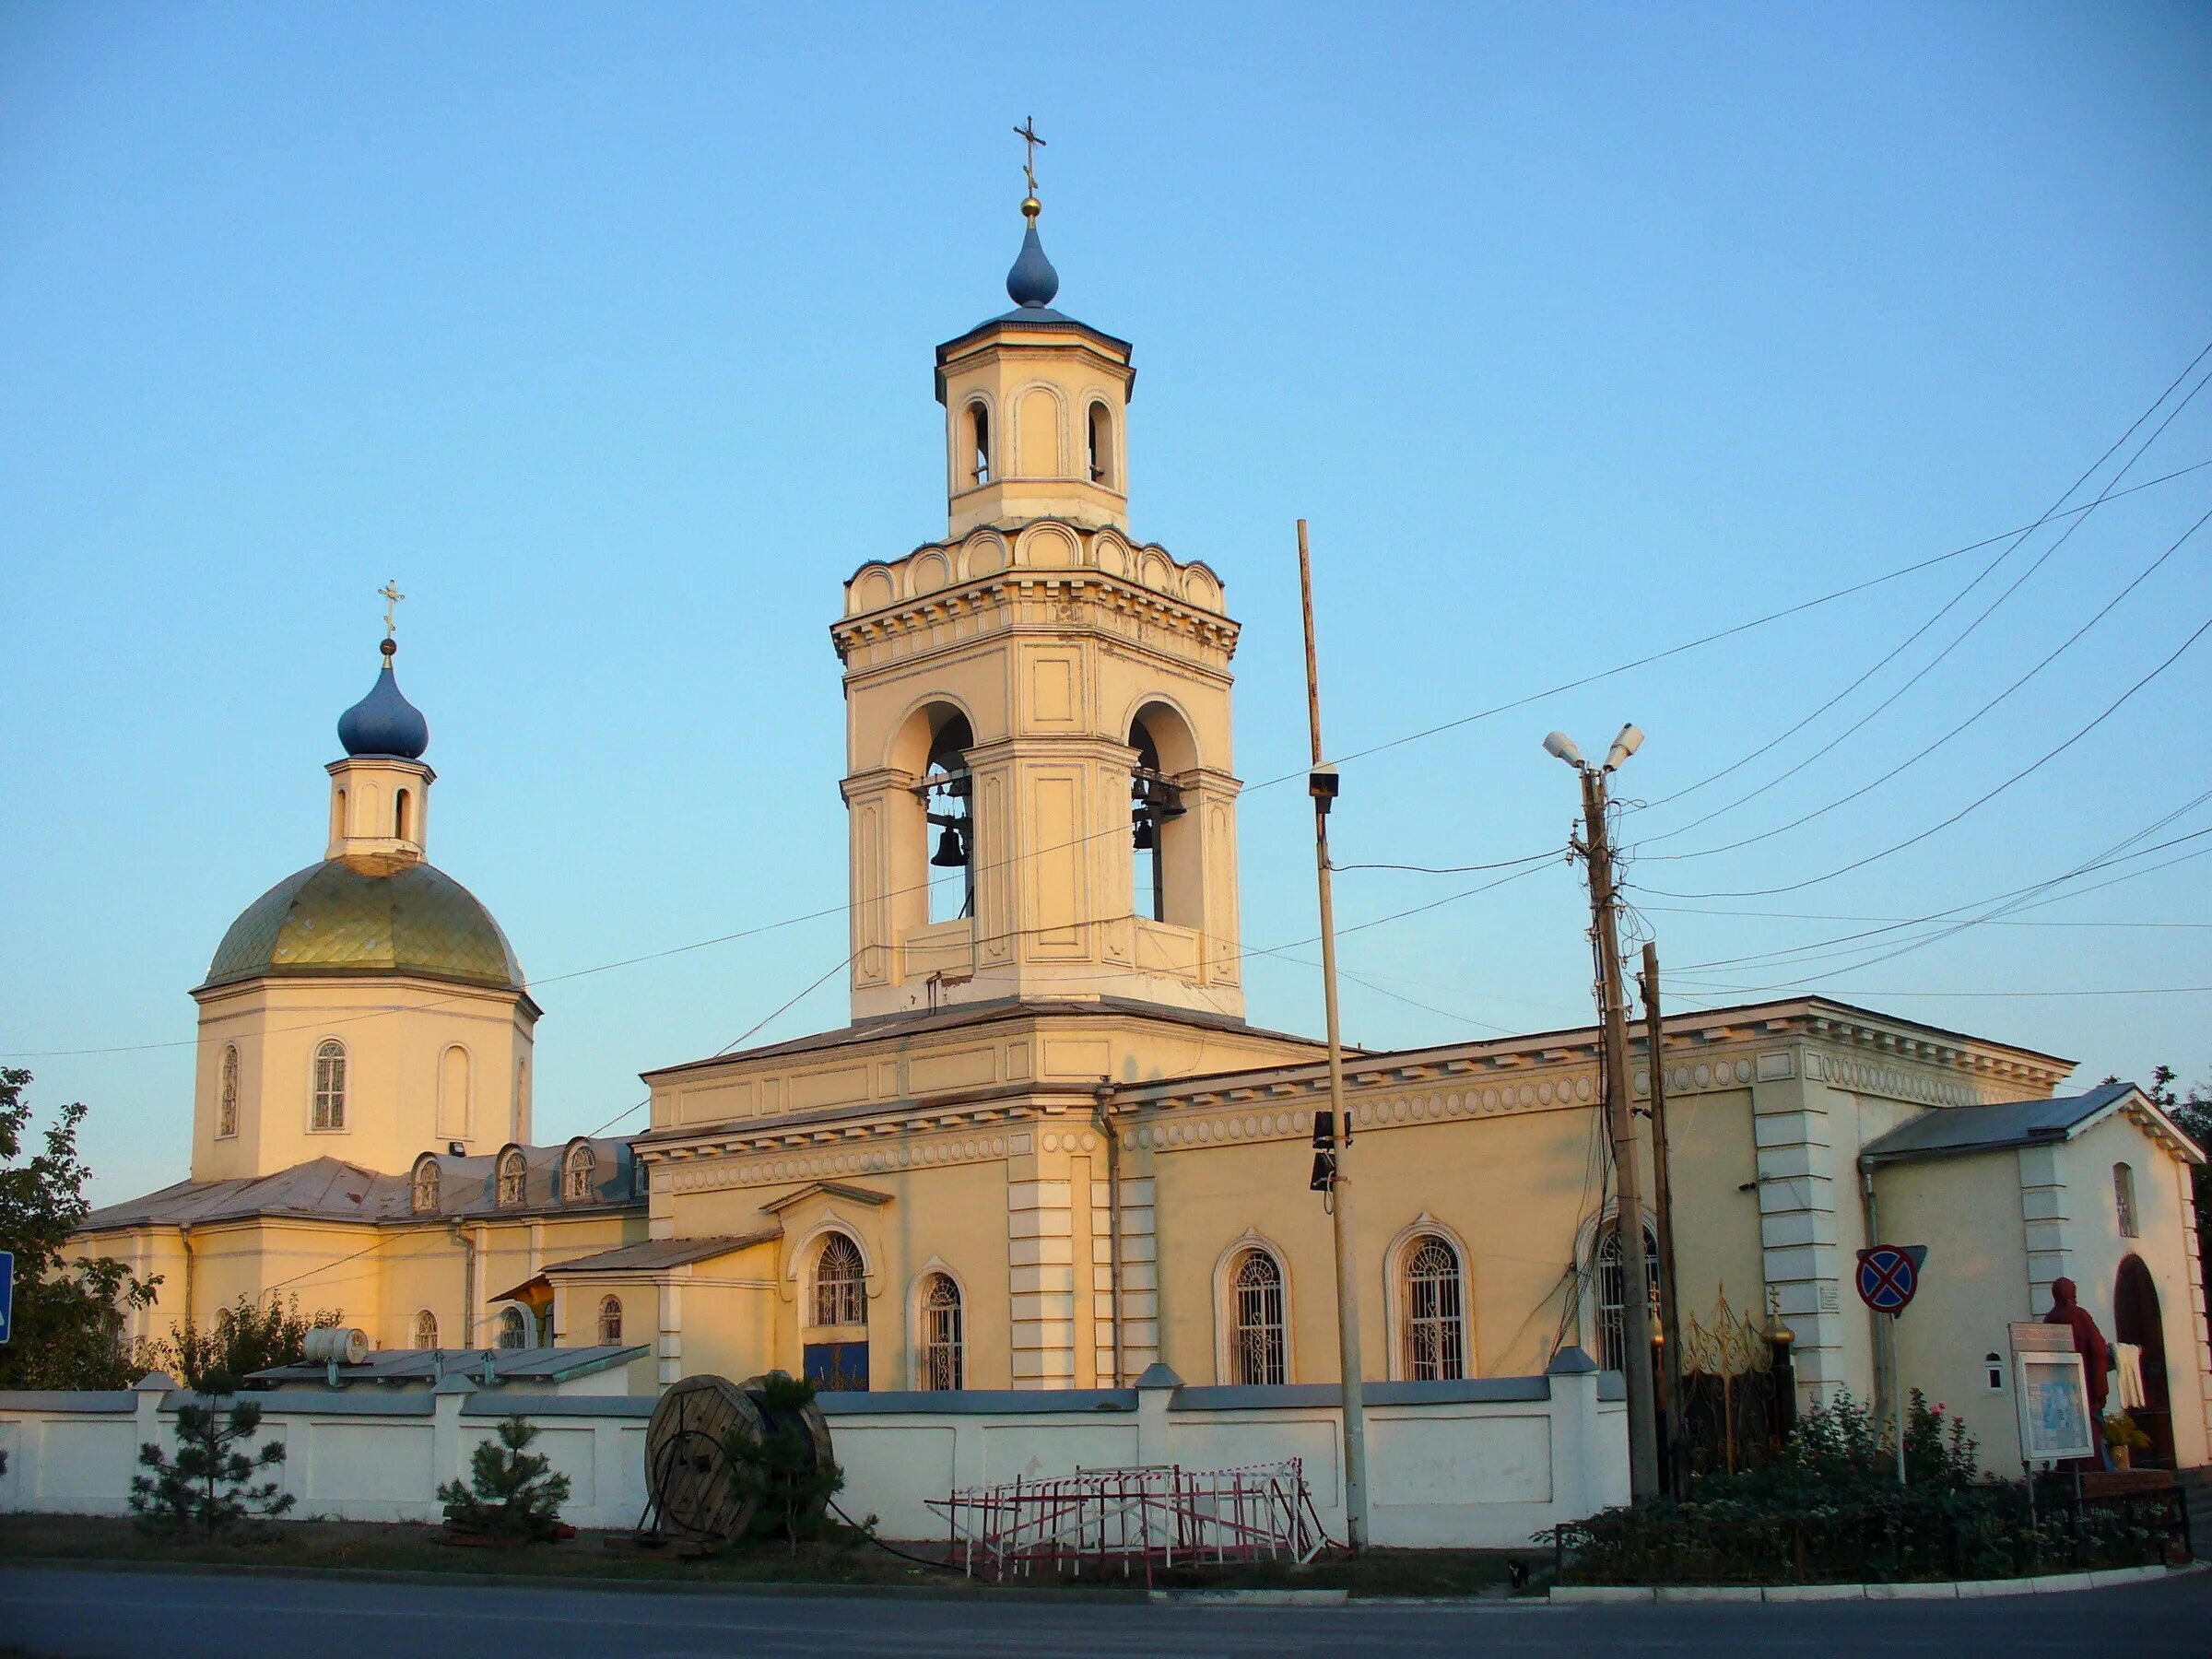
[512, 1492]
[209, 1484]
[780, 1468]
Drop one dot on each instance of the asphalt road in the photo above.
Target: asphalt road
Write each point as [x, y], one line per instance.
[129, 1616]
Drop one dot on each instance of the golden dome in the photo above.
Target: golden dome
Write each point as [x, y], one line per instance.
[362, 916]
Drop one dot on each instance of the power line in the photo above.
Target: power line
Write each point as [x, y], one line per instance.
[2054, 511]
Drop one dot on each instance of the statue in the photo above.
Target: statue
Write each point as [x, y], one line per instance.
[2096, 1355]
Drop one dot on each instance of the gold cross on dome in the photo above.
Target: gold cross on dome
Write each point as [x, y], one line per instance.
[392, 596]
[1027, 133]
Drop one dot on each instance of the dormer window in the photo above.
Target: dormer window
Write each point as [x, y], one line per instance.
[979, 449]
[576, 1172]
[511, 1178]
[426, 1187]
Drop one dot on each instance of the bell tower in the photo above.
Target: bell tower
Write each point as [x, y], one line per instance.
[1039, 777]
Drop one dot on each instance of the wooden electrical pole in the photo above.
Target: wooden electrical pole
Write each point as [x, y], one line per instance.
[1322, 785]
[1662, 1212]
[1635, 1296]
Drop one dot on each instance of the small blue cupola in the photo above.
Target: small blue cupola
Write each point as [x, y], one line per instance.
[385, 722]
[1032, 282]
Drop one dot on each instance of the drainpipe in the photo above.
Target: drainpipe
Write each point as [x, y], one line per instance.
[467, 1241]
[1100, 1095]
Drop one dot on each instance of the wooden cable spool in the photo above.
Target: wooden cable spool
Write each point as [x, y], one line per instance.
[695, 1488]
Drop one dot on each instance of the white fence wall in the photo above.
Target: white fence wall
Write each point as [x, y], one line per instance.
[1481, 1464]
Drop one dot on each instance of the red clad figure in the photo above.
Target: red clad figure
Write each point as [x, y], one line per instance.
[2088, 1342]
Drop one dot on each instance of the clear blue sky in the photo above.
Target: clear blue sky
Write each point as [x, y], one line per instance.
[1577, 332]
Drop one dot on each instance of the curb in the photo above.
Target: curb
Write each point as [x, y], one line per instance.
[2054, 1584]
[967, 1590]
[1251, 1598]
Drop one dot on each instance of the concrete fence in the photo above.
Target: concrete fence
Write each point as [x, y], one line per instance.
[1481, 1463]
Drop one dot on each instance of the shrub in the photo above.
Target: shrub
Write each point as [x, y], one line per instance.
[781, 1468]
[244, 1337]
[512, 1491]
[208, 1485]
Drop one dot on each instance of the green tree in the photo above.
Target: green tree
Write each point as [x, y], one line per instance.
[511, 1490]
[207, 1486]
[244, 1337]
[782, 1468]
[69, 1314]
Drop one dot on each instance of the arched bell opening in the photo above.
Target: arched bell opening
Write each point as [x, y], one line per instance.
[1163, 850]
[948, 821]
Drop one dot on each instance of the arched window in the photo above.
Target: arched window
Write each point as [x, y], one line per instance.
[1432, 1300]
[576, 1172]
[511, 1174]
[841, 1296]
[426, 1187]
[979, 443]
[943, 1353]
[611, 1319]
[330, 1084]
[426, 1329]
[2124, 1200]
[337, 815]
[226, 1103]
[402, 816]
[1257, 1342]
[515, 1329]
[1611, 1282]
[947, 793]
[1099, 433]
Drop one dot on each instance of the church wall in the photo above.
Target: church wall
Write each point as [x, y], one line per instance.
[1716, 1221]
[396, 1035]
[1967, 1211]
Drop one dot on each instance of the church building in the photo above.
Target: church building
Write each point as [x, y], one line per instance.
[1048, 1150]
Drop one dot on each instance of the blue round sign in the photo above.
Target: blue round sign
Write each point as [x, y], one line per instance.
[1888, 1277]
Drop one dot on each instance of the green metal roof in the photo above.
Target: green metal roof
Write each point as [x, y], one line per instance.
[367, 916]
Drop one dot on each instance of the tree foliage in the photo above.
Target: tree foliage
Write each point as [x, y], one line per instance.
[208, 1485]
[244, 1337]
[781, 1468]
[68, 1329]
[512, 1491]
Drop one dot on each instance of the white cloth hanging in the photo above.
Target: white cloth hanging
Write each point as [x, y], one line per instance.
[2129, 1358]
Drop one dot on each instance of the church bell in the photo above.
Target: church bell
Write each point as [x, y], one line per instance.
[951, 854]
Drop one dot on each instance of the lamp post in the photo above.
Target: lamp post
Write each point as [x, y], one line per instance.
[1596, 851]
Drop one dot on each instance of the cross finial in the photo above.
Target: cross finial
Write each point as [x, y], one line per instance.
[392, 596]
[1027, 133]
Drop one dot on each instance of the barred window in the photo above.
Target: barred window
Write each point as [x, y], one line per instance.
[1435, 1326]
[426, 1187]
[1611, 1281]
[576, 1174]
[330, 1084]
[511, 1178]
[515, 1329]
[1258, 1340]
[611, 1319]
[943, 1351]
[426, 1329]
[839, 1291]
[226, 1111]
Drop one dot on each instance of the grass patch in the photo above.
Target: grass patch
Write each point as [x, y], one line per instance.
[409, 1546]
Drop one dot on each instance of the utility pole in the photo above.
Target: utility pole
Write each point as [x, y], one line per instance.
[1635, 1300]
[1320, 784]
[1663, 1210]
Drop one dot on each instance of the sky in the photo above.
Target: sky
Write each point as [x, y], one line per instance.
[1579, 333]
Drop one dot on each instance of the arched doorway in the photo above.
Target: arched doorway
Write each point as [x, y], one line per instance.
[2135, 1319]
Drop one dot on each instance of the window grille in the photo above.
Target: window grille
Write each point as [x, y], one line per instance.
[840, 1292]
[426, 1329]
[515, 1329]
[611, 1319]
[510, 1179]
[225, 1119]
[329, 1086]
[426, 1187]
[1257, 1340]
[2123, 1199]
[1610, 1282]
[943, 1356]
[1435, 1327]
[576, 1177]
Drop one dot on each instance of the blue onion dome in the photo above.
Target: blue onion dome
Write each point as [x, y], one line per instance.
[385, 722]
[1032, 281]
